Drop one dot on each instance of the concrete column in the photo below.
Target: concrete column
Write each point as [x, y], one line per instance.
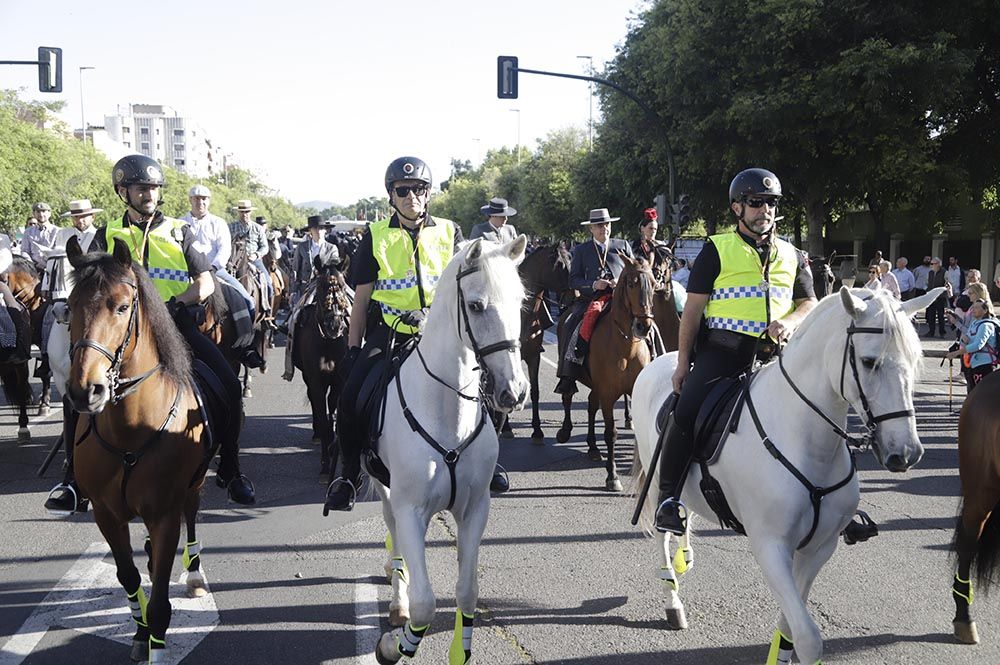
[894, 241]
[937, 247]
[987, 256]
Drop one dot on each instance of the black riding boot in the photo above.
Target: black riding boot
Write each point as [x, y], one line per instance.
[238, 486]
[500, 483]
[343, 491]
[66, 498]
[671, 515]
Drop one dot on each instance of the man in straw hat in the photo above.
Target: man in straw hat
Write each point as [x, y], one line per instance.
[497, 227]
[244, 228]
[593, 273]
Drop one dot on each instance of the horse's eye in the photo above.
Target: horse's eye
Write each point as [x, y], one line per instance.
[477, 306]
[121, 309]
[869, 363]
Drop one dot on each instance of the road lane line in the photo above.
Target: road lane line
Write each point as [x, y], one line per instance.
[369, 630]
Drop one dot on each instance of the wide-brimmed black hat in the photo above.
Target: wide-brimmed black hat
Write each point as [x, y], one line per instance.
[498, 208]
[599, 216]
[314, 222]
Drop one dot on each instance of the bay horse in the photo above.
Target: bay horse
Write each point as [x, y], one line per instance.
[282, 280]
[668, 321]
[977, 531]
[139, 441]
[320, 342]
[618, 352]
[437, 442]
[544, 270]
[856, 350]
[245, 272]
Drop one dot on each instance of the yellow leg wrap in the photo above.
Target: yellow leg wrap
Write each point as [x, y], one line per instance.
[681, 557]
[959, 586]
[460, 651]
[388, 542]
[781, 650]
[137, 603]
[192, 551]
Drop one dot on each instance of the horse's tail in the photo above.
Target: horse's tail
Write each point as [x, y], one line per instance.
[15, 384]
[986, 555]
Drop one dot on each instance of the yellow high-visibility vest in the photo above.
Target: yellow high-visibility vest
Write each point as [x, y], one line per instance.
[408, 276]
[165, 260]
[737, 301]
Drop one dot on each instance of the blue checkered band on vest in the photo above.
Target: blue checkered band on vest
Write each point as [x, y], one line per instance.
[737, 325]
[390, 310]
[731, 292]
[396, 284]
[168, 273]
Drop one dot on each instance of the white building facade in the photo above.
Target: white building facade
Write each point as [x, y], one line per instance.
[159, 132]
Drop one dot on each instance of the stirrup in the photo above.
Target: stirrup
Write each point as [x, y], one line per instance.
[664, 521]
[859, 530]
[501, 479]
[330, 489]
[79, 503]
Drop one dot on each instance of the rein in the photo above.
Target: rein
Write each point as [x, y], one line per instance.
[452, 455]
[627, 306]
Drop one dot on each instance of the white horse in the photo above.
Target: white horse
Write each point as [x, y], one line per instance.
[438, 442]
[856, 349]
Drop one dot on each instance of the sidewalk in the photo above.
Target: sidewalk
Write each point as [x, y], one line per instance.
[935, 347]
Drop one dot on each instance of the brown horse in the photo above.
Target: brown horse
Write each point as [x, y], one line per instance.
[281, 278]
[139, 438]
[25, 285]
[245, 272]
[320, 342]
[618, 352]
[544, 270]
[668, 322]
[977, 533]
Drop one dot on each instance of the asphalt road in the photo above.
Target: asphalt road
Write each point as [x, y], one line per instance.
[564, 576]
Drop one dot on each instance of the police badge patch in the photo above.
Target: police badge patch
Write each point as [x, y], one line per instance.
[119, 175]
[408, 168]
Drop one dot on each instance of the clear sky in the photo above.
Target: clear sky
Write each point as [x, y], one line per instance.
[318, 97]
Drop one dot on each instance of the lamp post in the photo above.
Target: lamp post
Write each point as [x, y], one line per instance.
[518, 112]
[590, 99]
[83, 115]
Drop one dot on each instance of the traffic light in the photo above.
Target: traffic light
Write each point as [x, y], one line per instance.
[682, 212]
[49, 69]
[507, 77]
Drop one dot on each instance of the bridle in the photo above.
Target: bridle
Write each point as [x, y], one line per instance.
[333, 302]
[118, 386]
[451, 456]
[647, 315]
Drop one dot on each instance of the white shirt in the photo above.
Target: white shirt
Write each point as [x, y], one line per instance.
[681, 275]
[211, 238]
[84, 237]
[954, 277]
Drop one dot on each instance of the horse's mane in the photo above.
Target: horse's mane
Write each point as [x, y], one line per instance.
[501, 279]
[104, 270]
[24, 265]
[645, 290]
[216, 302]
[899, 334]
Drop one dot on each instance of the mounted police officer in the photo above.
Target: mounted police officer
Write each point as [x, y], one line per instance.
[754, 290]
[394, 272]
[497, 227]
[593, 273]
[182, 276]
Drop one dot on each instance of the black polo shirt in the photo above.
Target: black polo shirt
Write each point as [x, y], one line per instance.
[197, 262]
[708, 265]
[364, 267]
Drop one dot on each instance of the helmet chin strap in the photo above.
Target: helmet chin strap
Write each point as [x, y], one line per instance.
[761, 236]
[399, 212]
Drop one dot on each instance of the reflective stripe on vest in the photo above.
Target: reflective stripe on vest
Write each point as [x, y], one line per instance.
[401, 284]
[165, 260]
[737, 299]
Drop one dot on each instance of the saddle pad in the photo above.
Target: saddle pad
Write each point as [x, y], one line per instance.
[712, 424]
[211, 396]
[15, 331]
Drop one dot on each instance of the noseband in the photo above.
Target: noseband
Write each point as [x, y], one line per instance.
[119, 387]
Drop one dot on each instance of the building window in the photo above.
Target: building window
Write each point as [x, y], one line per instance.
[179, 147]
[178, 162]
[127, 144]
[145, 145]
[178, 132]
[157, 131]
[157, 147]
[144, 131]
[126, 130]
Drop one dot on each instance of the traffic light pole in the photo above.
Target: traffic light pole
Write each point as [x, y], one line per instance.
[648, 111]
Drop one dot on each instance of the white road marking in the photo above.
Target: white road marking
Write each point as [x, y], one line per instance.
[550, 338]
[90, 600]
[368, 630]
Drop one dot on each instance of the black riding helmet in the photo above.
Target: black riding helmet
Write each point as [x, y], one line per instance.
[754, 182]
[407, 168]
[137, 170]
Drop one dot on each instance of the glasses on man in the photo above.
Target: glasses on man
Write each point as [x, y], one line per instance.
[404, 190]
[760, 203]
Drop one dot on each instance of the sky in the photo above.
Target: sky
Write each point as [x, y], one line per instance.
[318, 97]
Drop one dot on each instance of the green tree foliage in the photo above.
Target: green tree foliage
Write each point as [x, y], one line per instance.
[41, 161]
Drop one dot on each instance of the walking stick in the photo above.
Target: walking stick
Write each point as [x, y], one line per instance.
[951, 376]
[51, 456]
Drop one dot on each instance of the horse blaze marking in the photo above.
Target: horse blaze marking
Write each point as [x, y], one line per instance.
[90, 600]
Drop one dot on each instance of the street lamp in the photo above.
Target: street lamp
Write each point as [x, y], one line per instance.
[518, 112]
[83, 115]
[590, 99]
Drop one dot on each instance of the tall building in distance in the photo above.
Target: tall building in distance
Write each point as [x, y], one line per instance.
[159, 132]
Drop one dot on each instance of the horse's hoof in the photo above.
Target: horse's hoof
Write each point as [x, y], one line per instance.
[44, 410]
[593, 454]
[538, 437]
[676, 619]
[23, 435]
[628, 424]
[966, 633]
[562, 436]
[247, 393]
[613, 485]
[388, 643]
[196, 590]
[140, 651]
[506, 434]
[398, 617]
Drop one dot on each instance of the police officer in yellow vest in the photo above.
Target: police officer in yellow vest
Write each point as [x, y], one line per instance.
[183, 277]
[752, 287]
[394, 273]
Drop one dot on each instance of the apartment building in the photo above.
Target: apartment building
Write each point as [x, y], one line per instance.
[158, 131]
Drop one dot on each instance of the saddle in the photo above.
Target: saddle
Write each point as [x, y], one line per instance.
[370, 406]
[15, 335]
[214, 408]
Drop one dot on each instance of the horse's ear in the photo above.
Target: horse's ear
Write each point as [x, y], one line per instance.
[121, 253]
[74, 252]
[475, 250]
[855, 306]
[515, 248]
[629, 261]
[921, 303]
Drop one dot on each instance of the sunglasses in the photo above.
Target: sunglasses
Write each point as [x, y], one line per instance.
[404, 191]
[872, 272]
[760, 203]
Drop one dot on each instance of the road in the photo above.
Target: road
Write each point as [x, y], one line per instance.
[564, 576]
